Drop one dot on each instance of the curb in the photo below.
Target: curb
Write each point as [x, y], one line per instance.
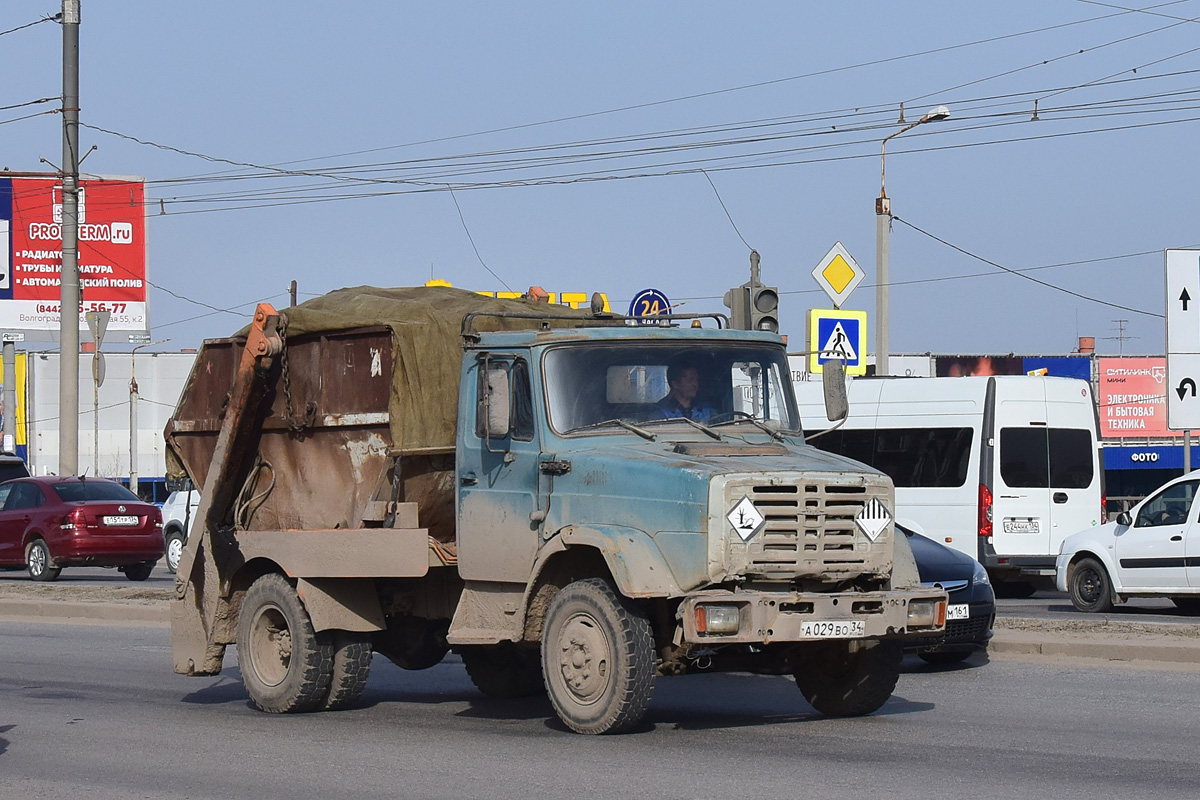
[158, 613]
[1161, 649]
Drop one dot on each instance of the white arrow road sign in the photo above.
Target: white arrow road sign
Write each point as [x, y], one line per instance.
[1183, 339]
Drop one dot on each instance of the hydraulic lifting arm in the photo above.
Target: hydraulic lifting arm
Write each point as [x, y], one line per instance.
[202, 616]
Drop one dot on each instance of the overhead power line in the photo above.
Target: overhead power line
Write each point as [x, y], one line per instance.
[1020, 274]
[51, 18]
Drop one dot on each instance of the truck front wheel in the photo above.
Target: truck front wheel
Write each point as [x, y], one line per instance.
[849, 678]
[598, 658]
[286, 666]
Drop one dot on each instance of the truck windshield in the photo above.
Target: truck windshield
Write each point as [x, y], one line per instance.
[589, 385]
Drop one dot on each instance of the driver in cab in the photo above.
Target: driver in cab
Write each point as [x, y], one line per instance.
[684, 380]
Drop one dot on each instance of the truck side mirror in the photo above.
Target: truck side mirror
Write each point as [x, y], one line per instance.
[1124, 519]
[496, 401]
[833, 381]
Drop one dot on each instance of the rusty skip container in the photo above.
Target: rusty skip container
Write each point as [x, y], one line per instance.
[360, 413]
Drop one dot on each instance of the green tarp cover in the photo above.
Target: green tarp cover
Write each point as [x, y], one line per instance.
[426, 322]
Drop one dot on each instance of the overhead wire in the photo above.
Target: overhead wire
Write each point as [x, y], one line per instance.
[48, 18]
[1020, 274]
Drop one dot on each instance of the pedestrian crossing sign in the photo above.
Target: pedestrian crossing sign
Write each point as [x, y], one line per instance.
[837, 334]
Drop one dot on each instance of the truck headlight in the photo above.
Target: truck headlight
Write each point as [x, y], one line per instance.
[927, 613]
[716, 620]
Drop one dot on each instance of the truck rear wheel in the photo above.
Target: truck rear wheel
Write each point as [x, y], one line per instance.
[504, 670]
[351, 666]
[849, 678]
[598, 658]
[286, 666]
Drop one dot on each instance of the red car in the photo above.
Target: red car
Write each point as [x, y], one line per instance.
[52, 522]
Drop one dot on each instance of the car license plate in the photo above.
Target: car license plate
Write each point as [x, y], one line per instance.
[845, 629]
[958, 611]
[1022, 526]
[125, 521]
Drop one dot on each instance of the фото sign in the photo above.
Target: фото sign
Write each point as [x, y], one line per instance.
[112, 252]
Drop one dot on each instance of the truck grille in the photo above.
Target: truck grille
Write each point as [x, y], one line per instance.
[810, 531]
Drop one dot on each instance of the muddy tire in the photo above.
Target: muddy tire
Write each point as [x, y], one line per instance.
[138, 572]
[849, 678]
[598, 658]
[1090, 587]
[39, 563]
[504, 670]
[351, 666]
[173, 549]
[285, 665]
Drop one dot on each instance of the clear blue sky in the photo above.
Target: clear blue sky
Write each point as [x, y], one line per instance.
[406, 86]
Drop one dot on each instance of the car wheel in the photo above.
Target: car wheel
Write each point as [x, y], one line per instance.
[286, 666]
[39, 563]
[849, 678]
[940, 658]
[1090, 587]
[598, 658]
[1190, 605]
[174, 549]
[139, 572]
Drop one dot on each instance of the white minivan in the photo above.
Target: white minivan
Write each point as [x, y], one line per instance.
[1002, 468]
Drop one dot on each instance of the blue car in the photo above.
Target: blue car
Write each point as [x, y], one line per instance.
[971, 612]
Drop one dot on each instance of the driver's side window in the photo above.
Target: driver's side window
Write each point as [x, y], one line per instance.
[1168, 507]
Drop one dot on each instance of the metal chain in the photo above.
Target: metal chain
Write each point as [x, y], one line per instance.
[294, 424]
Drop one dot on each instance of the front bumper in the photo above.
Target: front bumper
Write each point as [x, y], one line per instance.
[766, 617]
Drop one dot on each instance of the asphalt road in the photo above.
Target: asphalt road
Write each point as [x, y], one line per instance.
[95, 712]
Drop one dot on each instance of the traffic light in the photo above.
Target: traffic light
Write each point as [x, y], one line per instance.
[737, 300]
[764, 308]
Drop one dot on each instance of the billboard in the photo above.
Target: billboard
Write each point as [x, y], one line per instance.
[112, 252]
[1054, 366]
[966, 366]
[1132, 393]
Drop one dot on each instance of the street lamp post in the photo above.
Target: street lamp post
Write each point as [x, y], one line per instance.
[133, 422]
[883, 234]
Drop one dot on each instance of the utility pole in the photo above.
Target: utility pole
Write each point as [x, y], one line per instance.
[10, 396]
[292, 287]
[68, 329]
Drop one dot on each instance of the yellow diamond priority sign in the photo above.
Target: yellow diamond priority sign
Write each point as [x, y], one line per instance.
[838, 274]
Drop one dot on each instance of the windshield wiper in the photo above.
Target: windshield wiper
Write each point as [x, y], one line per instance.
[742, 416]
[626, 425]
[697, 425]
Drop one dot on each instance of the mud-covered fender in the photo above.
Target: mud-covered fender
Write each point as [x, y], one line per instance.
[635, 561]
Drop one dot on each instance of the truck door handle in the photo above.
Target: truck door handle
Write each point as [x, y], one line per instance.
[1176, 538]
[468, 479]
[1060, 497]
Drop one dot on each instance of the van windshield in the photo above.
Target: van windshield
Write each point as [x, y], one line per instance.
[594, 386]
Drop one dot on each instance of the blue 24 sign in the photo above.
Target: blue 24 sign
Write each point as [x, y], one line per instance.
[649, 303]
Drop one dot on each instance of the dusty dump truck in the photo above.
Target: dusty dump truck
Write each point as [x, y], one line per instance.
[410, 471]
